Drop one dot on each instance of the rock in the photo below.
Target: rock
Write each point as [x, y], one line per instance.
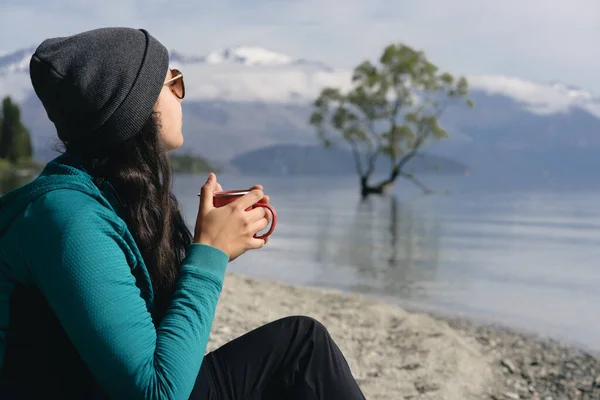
[597, 382]
[426, 387]
[585, 389]
[509, 365]
[224, 329]
[512, 396]
[484, 340]
[527, 375]
[561, 377]
[411, 367]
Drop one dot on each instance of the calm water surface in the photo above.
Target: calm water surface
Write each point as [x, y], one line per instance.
[523, 257]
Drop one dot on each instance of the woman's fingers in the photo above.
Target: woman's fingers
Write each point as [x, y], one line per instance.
[268, 214]
[265, 200]
[257, 214]
[259, 225]
[260, 187]
[248, 200]
[206, 196]
[255, 243]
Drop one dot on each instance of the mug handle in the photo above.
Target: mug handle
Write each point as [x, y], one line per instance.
[273, 220]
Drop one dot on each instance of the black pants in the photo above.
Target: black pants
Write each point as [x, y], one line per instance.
[291, 358]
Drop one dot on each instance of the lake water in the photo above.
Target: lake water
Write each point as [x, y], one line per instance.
[523, 257]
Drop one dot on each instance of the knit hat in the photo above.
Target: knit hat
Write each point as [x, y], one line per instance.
[99, 87]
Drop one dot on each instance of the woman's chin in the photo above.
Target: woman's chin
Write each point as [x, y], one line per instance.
[170, 145]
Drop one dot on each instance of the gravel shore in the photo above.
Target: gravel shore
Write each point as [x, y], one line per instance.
[530, 367]
[397, 354]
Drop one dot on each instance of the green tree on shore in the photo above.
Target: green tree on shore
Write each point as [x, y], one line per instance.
[15, 140]
[391, 110]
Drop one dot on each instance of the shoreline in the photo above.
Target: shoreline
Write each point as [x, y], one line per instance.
[396, 353]
[459, 317]
[527, 333]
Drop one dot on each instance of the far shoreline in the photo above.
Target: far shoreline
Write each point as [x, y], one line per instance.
[463, 319]
[457, 318]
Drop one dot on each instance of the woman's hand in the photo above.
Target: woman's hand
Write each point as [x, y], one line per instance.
[266, 200]
[230, 228]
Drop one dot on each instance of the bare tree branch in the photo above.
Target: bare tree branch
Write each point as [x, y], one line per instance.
[376, 152]
[411, 153]
[357, 159]
[393, 125]
[417, 182]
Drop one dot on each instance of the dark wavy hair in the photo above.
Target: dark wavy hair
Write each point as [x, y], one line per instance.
[140, 172]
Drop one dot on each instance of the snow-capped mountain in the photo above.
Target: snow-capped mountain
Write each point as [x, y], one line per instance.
[251, 56]
[244, 73]
[247, 97]
[244, 55]
[14, 74]
[252, 73]
[15, 62]
[255, 74]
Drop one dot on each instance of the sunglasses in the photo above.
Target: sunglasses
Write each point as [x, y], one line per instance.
[176, 84]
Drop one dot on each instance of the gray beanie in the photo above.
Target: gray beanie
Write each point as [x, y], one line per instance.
[99, 87]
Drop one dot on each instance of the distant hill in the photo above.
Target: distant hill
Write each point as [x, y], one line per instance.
[290, 159]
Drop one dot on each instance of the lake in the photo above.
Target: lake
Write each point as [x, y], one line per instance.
[523, 257]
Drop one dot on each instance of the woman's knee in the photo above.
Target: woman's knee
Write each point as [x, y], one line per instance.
[307, 323]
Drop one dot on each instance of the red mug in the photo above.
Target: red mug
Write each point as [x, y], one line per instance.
[225, 197]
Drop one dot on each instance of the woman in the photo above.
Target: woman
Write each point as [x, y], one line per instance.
[103, 290]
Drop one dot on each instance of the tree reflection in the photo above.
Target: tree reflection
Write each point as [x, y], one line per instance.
[389, 247]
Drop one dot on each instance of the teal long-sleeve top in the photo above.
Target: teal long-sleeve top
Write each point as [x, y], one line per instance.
[64, 235]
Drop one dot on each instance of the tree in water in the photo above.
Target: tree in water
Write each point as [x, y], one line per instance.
[15, 141]
[391, 110]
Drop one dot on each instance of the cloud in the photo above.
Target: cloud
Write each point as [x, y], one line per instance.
[535, 39]
[285, 84]
[539, 99]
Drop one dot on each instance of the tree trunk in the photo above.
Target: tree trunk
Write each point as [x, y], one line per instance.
[9, 121]
[380, 188]
[366, 189]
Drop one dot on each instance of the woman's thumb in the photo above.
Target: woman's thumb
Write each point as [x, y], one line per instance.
[207, 192]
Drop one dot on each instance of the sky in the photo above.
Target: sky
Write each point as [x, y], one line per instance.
[539, 40]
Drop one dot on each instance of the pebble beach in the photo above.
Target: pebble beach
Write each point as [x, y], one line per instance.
[399, 354]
